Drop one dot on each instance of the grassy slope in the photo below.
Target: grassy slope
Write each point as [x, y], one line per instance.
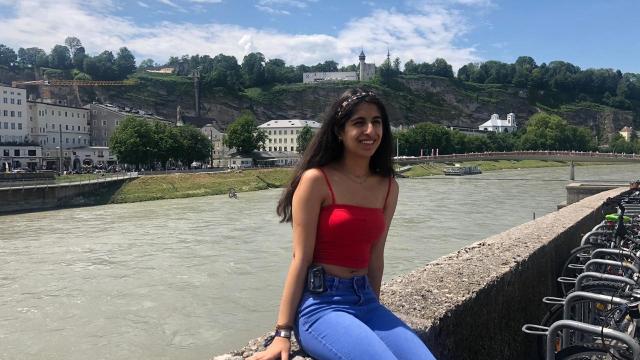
[171, 186]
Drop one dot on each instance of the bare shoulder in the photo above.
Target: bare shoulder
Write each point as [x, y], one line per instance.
[312, 177]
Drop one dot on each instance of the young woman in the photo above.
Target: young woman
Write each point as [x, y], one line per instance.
[340, 202]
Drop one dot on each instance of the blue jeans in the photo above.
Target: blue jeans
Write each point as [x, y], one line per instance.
[347, 322]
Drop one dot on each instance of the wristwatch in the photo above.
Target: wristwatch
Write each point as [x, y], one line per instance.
[285, 333]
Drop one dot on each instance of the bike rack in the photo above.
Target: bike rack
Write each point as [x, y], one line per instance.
[618, 264]
[577, 295]
[596, 275]
[604, 251]
[565, 325]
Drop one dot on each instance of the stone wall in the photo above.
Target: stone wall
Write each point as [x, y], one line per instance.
[472, 304]
[47, 197]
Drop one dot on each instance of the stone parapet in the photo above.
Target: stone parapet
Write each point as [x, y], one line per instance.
[472, 304]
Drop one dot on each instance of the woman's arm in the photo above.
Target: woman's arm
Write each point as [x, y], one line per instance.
[376, 263]
[307, 200]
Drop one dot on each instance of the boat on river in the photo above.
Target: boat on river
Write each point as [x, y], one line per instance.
[462, 170]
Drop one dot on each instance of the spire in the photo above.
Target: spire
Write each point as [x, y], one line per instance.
[361, 57]
[388, 55]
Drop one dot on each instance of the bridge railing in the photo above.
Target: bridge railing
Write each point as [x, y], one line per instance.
[578, 155]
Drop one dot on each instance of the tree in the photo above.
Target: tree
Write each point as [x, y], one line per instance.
[73, 44]
[124, 64]
[442, 68]
[7, 55]
[146, 64]
[193, 145]
[304, 138]
[225, 73]
[60, 57]
[133, 141]
[78, 58]
[253, 69]
[244, 135]
[30, 56]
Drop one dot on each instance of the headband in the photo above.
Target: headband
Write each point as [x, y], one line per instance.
[353, 98]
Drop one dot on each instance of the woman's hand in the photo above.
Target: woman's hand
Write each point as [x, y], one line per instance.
[278, 349]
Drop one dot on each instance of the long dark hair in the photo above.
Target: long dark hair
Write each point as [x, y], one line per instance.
[326, 148]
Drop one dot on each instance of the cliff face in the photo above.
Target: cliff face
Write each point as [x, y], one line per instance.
[411, 100]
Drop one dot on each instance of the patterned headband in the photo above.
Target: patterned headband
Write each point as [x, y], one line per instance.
[353, 98]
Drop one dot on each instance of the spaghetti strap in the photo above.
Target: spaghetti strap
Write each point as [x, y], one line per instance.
[386, 197]
[326, 178]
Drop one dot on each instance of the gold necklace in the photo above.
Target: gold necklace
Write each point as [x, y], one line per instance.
[358, 179]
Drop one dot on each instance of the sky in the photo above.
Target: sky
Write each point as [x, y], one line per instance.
[586, 33]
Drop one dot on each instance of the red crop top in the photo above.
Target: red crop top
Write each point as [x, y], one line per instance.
[346, 233]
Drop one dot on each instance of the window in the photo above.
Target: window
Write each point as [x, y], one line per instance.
[94, 122]
[65, 114]
[285, 140]
[5, 113]
[31, 152]
[5, 100]
[73, 140]
[16, 152]
[19, 101]
[13, 126]
[13, 113]
[13, 101]
[59, 113]
[19, 113]
[19, 126]
[67, 140]
[66, 127]
[269, 132]
[6, 125]
[6, 152]
[280, 140]
[279, 132]
[104, 122]
[54, 140]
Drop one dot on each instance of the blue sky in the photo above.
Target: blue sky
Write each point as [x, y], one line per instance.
[585, 33]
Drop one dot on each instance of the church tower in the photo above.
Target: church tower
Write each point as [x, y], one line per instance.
[362, 64]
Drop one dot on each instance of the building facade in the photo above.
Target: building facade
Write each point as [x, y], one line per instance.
[313, 77]
[496, 124]
[282, 134]
[13, 115]
[106, 118]
[16, 157]
[51, 125]
[219, 152]
[367, 71]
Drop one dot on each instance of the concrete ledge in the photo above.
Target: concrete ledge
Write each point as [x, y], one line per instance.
[471, 304]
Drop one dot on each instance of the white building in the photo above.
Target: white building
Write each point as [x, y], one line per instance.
[282, 135]
[13, 115]
[367, 72]
[627, 132]
[16, 157]
[499, 125]
[313, 77]
[50, 125]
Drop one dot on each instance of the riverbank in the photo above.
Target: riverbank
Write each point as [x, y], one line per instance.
[437, 168]
[173, 186]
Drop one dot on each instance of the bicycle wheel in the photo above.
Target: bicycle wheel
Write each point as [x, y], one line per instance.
[556, 312]
[578, 256]
[593, 352]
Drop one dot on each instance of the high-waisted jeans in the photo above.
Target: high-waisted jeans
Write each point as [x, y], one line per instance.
[347, 322]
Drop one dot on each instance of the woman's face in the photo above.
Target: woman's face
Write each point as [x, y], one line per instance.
[362, 133]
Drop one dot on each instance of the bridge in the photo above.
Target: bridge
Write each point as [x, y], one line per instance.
[569, 156]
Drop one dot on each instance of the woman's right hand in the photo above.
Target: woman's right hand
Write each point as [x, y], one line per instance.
[279, 348]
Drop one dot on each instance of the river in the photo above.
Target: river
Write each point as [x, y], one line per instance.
[191, 278]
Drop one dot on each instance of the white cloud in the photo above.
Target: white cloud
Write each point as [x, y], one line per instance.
[421, 35]
[272, 11]
[144, 5]
[206, 1]
[294, 3]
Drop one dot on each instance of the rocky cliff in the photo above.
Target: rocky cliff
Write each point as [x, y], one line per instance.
[410, 100]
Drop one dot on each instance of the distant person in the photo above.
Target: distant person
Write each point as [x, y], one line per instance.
[340, 202]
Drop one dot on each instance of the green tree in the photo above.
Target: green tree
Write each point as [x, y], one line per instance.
[244, 135]
[124, 63]
[30, 56]
[146, 64]
[73, 44]
[7, 55]
[304, 138]
[253, 69]
[60, 57]
[78, 58]
[133, 142]
[225, 73]
[192, 146]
